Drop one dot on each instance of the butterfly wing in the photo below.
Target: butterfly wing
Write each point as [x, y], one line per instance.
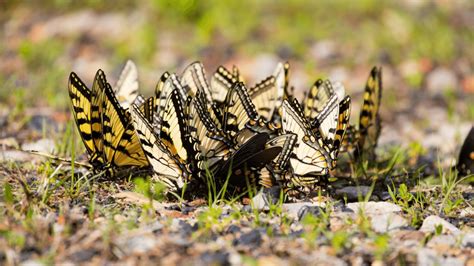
[342, 125]
[221, 82]
[166, 167]
[465, 164]
[308, 158]
[238, 110]
[126, 88]
[121, 144]
[80, 97]
[194, 76]
[213, 145]
[369, 120]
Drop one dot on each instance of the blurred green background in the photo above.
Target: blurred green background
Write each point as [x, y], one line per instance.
[42, 41]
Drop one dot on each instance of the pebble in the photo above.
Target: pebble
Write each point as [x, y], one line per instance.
[309, 210]
[384, 216]
[428, 257]
[252, 238]
[139, 244]
[293, 209]
[444, 240]
[373, 207]
[468, 240]
[214, 258]
[353, 193]
[467, 212]
[430, 223]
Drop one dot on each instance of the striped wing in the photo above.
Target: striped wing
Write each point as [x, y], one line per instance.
[213, 145]
[238, 110]
[167, 168]
[342, 125]
[308, 159]
[369, 120]
[275, 171]
[80, 97]
[121, 144]
[221, 82]
[97, 106]
[194, 76]
[264, 96]
[170, 84]
[317, 98]
[126, 88]
[176, 135]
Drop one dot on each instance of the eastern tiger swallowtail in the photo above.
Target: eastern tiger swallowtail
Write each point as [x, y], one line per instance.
[268, 94]
[275, 171]
[105, 127]
[465, 164]
[369, 120]
[309, 161]
[126, 88]
[175, 132]
[221, 81]
[167, 168]
[213, 144]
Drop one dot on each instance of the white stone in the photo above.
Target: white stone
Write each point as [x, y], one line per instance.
[373, 207]
[430, 223]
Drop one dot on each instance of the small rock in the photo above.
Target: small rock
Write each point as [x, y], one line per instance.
[252, 238]
[139, 244]
[430, 223]
[186, 229]
[384, 216]
[83, 255]
[442, 240]
[387, 222]
[468, 240]
[372, 207]
[467, 212]
[233, 229]
[440, 80]
[353, 193]
[293, 209]
[215, 258]
[260, 202]
[309, 210]
[428, 257]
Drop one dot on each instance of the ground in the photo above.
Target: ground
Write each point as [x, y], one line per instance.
[391, 215]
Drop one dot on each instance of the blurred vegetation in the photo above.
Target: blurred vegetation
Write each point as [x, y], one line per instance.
[367, 31]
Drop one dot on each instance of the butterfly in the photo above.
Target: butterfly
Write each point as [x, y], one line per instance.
[268, 94]
[167, 167]
[309, 161]
[275, 170]
[163, 89]
[369, 119]
[126, 88]
[194, 77]
[465, 164]
[104, 126]
[319, 95]
[176, 134]
[213, 144]
[221, 82]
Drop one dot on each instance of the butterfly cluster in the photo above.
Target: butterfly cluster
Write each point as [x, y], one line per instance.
[196, 130]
